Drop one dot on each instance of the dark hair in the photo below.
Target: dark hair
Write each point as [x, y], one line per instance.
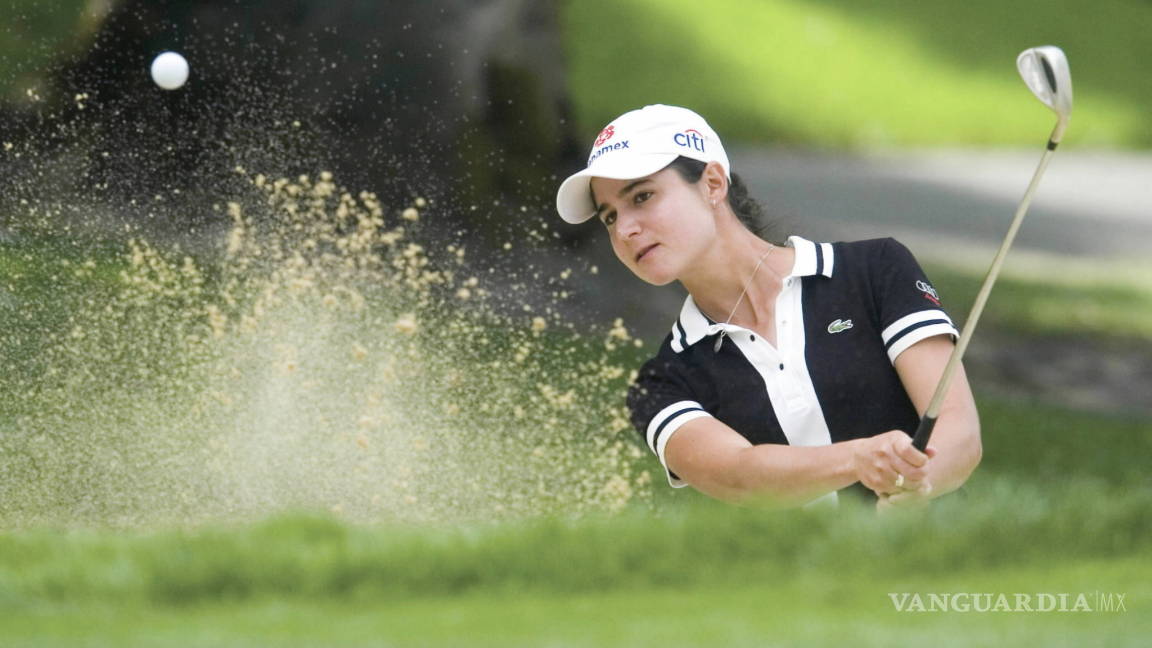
[747, 209]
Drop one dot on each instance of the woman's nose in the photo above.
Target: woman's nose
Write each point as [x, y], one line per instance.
[627, 224]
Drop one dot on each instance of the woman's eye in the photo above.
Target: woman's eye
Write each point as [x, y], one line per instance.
[641, 197]
[609, 218]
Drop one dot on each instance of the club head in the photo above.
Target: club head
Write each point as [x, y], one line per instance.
[1045, 71]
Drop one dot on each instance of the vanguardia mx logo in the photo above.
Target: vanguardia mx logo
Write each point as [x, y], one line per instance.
[1096, 601]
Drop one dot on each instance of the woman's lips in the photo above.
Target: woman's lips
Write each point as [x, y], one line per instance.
[645, 251]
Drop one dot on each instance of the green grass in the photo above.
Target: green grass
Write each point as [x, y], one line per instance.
[691, 574]
[1058, 297]
[1062, 503]
[835, 73]
[829, 612]
[998, 522]
[1040, 444]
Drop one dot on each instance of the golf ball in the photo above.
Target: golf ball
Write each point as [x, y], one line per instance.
[169, 70]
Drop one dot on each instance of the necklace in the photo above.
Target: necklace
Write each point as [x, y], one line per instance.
[720, 340]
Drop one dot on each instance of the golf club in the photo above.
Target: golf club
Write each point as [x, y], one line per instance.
[1045, 71]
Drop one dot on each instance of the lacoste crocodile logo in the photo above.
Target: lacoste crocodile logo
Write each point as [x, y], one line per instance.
[839, 326]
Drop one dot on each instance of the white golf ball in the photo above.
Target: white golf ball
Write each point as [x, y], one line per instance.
[169, 70]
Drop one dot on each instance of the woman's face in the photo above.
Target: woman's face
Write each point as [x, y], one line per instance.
[659, 224]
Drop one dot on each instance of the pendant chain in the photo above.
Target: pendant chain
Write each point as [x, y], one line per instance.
[720, 340]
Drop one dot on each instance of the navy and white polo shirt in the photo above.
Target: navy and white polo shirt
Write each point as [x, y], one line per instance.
[844, 314]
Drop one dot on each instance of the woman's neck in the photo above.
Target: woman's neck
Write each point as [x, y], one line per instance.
[739, 264]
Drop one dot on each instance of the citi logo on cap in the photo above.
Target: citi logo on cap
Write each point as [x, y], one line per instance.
[690, 138]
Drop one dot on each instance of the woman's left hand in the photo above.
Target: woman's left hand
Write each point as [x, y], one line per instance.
[906, 498]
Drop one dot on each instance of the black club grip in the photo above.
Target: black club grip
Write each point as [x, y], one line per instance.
[923, 433]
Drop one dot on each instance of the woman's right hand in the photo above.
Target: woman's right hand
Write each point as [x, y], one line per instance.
[879, 462]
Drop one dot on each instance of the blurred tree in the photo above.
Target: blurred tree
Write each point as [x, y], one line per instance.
[454, 100]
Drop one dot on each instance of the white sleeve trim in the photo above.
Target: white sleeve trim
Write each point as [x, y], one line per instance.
[665, 424]
[910, 329]
[829, 258]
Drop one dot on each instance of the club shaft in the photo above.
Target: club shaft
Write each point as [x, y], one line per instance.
[928, 421]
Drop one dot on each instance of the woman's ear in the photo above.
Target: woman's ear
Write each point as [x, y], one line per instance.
[715, 183]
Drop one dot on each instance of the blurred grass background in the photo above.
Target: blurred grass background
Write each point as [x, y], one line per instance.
[836, 74]
[701, 557]
[36, 34]
[696, 575]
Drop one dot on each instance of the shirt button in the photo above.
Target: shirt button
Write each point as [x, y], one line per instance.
[751, 338]
[781, 366]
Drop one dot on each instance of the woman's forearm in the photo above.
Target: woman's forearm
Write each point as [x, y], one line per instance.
[958, 449]
[793, 474]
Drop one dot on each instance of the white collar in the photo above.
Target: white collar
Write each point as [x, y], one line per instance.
[811, 259]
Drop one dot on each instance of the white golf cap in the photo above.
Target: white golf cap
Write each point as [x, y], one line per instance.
[636, 144]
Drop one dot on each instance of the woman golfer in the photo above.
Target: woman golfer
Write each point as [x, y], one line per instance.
[793, 371]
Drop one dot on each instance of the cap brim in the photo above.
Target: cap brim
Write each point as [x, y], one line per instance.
[574, 198]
